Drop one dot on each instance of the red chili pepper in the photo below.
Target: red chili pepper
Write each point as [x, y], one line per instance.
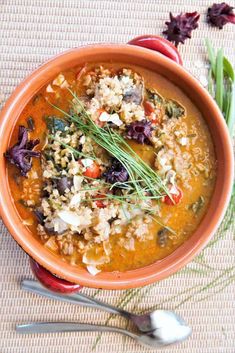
[159, 44]
[51, 281]
[175, 197]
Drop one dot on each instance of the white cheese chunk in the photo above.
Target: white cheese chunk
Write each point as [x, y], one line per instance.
[93, 270]
[87, 162]
[70, 217]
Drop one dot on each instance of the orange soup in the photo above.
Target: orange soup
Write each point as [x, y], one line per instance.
[111, 167]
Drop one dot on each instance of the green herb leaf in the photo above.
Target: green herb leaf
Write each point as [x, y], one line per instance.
[198, 205]
[211, 55]
[228, 69]
[55, 124]
[231, 112]
[219, 79]
[173, 109]
[154, 96]
[211, 84]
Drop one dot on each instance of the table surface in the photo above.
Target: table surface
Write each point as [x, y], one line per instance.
[30, 33]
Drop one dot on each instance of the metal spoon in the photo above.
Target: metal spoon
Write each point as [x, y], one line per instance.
[156, 339]
[173, 326]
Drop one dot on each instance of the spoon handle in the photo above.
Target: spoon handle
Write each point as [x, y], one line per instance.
[75, 298]
[50, 327]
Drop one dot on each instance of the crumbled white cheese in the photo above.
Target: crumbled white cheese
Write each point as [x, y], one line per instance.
[113, 118]
[173, 190]
[65, 84]
[104, 116]
[70, 217]
[77, 181]
[49, 89]
[82, 140]
[177, 133]
[46, 174]
[58, 80]
[59, 225]
[183, 141]
[162, 161]
[93, 270]
[87, 162]
[75, 200]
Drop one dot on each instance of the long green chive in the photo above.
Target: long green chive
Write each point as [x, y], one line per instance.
[231, 112]
[219, 79]
[211, 55]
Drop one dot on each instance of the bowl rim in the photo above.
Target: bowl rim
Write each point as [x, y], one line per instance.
[113, 280]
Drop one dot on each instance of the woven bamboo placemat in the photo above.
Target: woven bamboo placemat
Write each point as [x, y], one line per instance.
[30, 33]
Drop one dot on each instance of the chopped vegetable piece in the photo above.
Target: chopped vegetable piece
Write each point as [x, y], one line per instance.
[63, 184]
[30, 123]
[153, 118]
[181, 26]
[116, 173]
[40, 216]
[21, 153]
[176, 197]
[218, 15]
[154, 97]
[162, 237]
[55, 124]
[93, 171]
[140, 131]
[100, 203]
[173, 109]
[134, 95]
[148, 108]
[197, 206]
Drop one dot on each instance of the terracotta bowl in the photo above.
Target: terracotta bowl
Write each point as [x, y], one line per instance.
[177, 74]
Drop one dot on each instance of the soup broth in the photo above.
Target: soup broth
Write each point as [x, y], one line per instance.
[90, 198]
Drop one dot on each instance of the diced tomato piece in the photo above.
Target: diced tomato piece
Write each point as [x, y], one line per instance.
[176, 198]
[154, 119]
[93, 171]
[148, 108]
[100, 203]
